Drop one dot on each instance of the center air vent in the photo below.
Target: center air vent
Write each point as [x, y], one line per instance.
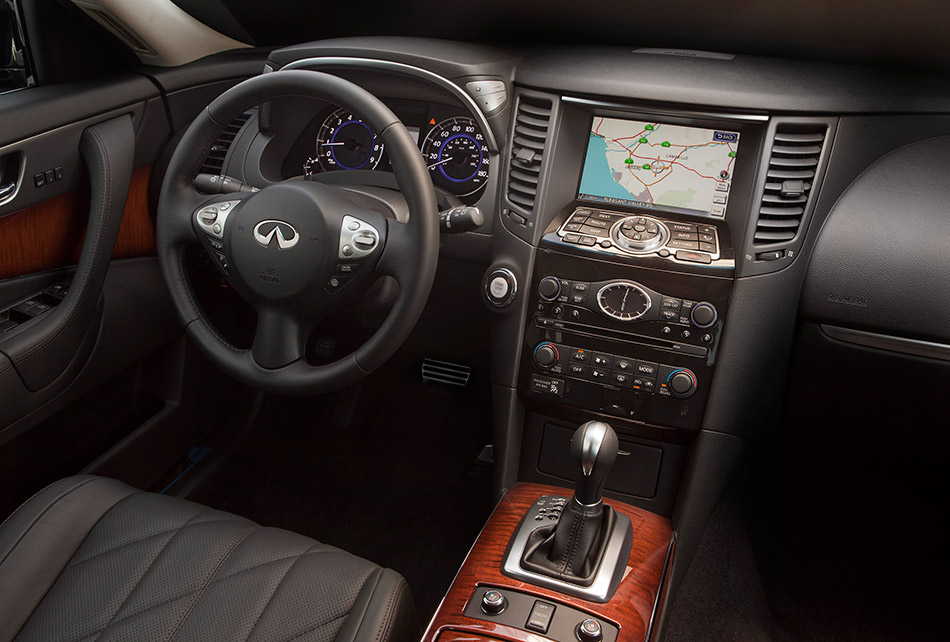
[532, 120]
[214, 164]
[789, 183]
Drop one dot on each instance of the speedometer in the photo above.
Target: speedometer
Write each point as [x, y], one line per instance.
[346, 142]
[457, 156]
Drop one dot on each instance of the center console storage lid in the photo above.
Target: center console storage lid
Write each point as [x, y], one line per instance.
[882, 259]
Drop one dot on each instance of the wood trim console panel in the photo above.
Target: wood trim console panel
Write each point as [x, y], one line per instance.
[631, 608]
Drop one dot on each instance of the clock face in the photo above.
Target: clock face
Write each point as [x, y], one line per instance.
[623, 301]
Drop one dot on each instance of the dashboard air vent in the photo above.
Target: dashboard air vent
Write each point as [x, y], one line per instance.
[532, 120]
[793, 165]
[453, 374]
[214, 163]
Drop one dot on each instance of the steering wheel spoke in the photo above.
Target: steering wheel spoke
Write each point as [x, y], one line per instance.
[280, 338]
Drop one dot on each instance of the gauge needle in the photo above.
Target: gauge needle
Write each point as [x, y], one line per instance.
[441, 162]
[623, 304]
[331, 144]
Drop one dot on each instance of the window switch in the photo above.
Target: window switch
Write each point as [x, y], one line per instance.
[7, 324]
[540, 618]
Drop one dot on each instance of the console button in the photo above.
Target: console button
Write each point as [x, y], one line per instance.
[646, 368]
[581, 356]
[572, 227]
[681, 227]
[708, 247]
[493, 602]
[598, 374]
[549, 288]
[578, 218]
[670, 303]
[706, 229]
[624, 365]
[685, 236]
[575, 314]
[602, 360]
[682, 245]
[578, 299]
[580, 286]
[621, 379]
[540, 618]
[593, 222]
[587, 229]
[604, 216]
[704, 315]
[571, 238]
[707, 238]
[649, 385]
[588, 240]
[577, 370]
[669, 315]
[693, 257]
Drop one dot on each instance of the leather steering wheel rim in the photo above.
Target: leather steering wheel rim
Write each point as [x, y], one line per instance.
[409, 253]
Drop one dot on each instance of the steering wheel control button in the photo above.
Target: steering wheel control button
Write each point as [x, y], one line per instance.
[347, 268]
[494, 602]
[212, 218]
[589, 631]
[357, 238]
[540, 618]
[337, 281]
[500, 287]
[704, 315]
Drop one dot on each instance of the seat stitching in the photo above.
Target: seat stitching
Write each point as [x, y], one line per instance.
[218, 580]
[147, 570]
[206, 582]
[384, 625]
[40, 516]
[315, 628]
[274, 592]
[152, 536]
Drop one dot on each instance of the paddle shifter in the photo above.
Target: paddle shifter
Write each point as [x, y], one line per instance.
[585, 550]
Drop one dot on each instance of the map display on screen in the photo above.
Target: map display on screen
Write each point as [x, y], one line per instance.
[673, 168]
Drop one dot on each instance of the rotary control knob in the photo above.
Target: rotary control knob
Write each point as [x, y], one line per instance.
[549, 288]
[681, 383]
[494, 602]
[704, 315]
[589, 631]
[545, 355]
[640, 234]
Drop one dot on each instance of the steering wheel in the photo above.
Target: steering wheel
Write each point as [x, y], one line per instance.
[298, 250]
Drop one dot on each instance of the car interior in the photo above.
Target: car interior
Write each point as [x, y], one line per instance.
[503, 322]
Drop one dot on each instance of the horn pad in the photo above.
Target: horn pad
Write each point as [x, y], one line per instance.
[282, 241]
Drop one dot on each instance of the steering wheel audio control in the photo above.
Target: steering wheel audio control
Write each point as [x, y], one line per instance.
[357, 238]
[212, 218]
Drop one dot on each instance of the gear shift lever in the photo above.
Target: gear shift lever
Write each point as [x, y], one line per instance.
[572, 550]
[593, 451]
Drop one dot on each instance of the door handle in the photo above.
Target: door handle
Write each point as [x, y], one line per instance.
[6, 190]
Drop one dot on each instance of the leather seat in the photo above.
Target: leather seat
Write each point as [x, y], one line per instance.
[89, 558]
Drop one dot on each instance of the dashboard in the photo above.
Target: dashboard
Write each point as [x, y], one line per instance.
[650, 220]
[451, 142]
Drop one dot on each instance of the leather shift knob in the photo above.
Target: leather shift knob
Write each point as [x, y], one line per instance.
[593, 451]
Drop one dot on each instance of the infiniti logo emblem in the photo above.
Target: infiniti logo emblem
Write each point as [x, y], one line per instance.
[287, 236]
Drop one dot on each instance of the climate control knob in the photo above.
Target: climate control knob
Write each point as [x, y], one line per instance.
[681, 383]
[545, 355]
[549, 288]
[704, 315]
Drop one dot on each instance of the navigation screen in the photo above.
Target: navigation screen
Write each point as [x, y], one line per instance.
[684, 170]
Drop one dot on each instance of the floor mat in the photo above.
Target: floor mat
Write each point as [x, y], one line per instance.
[388, 474]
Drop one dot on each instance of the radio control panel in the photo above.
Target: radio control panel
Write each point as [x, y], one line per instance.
[634, 234]
[621, 340]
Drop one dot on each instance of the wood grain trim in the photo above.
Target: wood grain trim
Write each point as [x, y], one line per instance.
[50, 234]
[631, 607]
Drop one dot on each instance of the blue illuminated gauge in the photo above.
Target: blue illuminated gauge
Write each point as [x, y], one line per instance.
[346, 142]
[457, 156]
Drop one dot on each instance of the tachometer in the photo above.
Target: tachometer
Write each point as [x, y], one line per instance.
[457, 156]
[346, 142]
